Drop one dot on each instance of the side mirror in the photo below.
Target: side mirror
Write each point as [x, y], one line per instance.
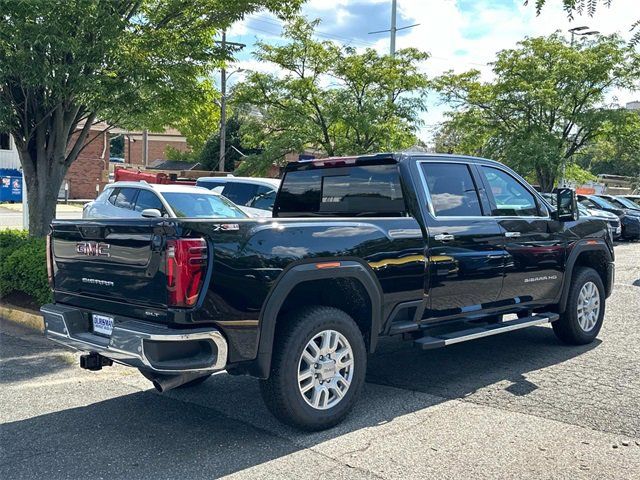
[151, 213]
[567, 205]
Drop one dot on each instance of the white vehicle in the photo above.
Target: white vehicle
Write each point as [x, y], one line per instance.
[142, 199]
[250, 192]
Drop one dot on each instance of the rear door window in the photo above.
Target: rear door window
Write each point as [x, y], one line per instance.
[240, 193]
[452, 190]
[113, 195]
[125, 198]
[263, 199]
[366, 190]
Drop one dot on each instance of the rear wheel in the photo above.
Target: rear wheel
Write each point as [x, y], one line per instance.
[318, 369]
[582, 319]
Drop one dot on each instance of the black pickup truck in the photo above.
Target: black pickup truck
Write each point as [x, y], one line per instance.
[439, 249]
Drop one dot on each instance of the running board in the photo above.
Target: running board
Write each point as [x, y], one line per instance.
[442, 340]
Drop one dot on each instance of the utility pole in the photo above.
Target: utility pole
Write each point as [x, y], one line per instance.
[223, 99]
[145, 147]
[393, 29]
[392, 33]
[223, 109]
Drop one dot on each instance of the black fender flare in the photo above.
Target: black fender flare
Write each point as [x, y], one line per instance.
[303, 272]
[581, 247]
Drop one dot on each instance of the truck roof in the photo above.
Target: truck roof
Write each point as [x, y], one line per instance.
[386, 156]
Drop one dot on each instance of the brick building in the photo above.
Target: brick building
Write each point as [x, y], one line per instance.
[90, 172]
[158, 145]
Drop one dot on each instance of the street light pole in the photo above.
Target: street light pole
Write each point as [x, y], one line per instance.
[580, 31]
[574, 31]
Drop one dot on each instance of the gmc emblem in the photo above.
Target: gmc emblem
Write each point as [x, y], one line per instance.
[93, 249]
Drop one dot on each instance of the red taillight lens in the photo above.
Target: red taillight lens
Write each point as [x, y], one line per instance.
[186, 268]
[49, 262]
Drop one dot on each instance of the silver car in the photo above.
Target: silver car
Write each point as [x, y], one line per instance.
[141, 199]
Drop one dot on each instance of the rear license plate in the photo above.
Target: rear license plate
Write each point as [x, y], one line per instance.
[102, 324]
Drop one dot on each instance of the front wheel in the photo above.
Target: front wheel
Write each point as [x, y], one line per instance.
[582, 319]
[318, 369]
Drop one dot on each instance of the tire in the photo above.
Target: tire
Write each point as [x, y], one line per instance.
[570, 329]
[193, 383]
[282, 392]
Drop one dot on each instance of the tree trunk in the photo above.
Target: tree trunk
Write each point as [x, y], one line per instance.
[43, 177]
[546, 179]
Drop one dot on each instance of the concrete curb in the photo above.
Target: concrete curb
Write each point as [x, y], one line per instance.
[26, 318]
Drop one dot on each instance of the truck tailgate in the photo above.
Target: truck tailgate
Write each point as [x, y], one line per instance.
[115, 260]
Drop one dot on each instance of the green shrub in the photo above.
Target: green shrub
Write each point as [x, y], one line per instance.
[23, 266]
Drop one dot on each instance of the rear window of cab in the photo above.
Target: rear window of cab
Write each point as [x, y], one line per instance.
[352, 191]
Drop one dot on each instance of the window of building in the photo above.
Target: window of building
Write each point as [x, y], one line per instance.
[5, 141]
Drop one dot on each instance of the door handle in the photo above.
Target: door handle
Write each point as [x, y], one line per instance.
[443, 237]
[512, 234]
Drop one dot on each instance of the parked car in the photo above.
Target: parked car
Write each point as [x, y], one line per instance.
[629, 218]
[141, 199]
[634, 198]
[615, 227]
[621, 202]
[436, 249]
[116, 159]
[252, 192]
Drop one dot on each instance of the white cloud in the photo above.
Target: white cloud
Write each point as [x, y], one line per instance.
[462, 39]
[459, 35]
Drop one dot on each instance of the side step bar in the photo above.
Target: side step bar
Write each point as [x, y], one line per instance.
[437, 341]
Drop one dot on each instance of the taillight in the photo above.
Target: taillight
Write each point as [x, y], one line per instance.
[186, 268]
[49, 261]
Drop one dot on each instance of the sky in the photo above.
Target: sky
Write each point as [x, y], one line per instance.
[458, 34]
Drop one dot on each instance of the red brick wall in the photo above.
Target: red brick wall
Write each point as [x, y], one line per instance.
[157, 150]
[89, 169]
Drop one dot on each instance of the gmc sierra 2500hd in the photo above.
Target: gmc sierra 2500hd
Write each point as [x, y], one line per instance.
[438, 249]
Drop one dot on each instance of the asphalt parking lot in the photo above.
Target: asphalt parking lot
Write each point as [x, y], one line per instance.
[519, 405]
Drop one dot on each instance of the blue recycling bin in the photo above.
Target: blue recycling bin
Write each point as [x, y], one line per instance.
[11, 189]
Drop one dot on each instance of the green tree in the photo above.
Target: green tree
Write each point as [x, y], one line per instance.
[617, 150]
[198, 124]
[330, 98]
[64, 64]
[545, 103]
[210, 155]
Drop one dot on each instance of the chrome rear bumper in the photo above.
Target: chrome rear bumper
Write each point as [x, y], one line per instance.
[138, 344]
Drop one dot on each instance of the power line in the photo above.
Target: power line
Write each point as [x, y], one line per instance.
[277, 23]
[319, 33]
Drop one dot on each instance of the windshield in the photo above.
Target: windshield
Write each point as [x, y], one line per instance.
[601, 202]
[202, 205]
[626, 203]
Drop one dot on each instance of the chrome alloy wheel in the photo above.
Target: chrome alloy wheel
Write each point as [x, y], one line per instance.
[325, 370]
[588, 306]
